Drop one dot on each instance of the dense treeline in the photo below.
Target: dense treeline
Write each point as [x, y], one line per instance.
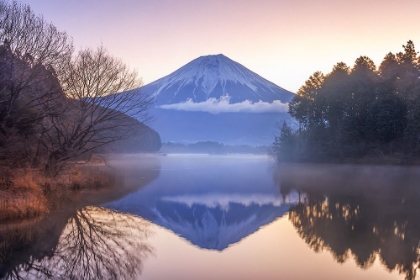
[210, 147]
[356, 112]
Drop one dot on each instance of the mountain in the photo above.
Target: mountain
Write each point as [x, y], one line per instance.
[254, 129]
[214, 76]
[143, 139]
[214, 98]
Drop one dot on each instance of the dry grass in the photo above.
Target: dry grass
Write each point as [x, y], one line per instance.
[28, 193]
[89, 177]
[21, 205]
[21, 195]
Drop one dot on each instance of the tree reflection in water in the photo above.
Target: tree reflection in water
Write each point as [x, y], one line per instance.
[92, 243]
[359, 212]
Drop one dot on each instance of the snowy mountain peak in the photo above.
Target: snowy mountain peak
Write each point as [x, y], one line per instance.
[214, 76]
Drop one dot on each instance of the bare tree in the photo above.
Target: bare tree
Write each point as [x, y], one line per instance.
[55, 106]
[31, 38]
[102, 107]
[30, 52]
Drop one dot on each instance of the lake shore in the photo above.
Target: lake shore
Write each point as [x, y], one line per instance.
[27, 193]
[367, 160]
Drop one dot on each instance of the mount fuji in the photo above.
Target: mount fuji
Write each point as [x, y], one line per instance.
[214, 98]
[214, 76]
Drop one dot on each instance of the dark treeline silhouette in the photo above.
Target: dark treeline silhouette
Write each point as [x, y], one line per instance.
[211, 147]
[357, 212]
[356, 112]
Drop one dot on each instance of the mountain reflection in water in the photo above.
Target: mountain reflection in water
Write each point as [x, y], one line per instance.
[358, 212]
[213, 202]
[227, 217]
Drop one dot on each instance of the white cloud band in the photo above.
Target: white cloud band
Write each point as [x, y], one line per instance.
[222, 105]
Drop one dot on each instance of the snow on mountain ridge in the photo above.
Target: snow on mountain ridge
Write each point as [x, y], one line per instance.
[214, 76]
[210, 70]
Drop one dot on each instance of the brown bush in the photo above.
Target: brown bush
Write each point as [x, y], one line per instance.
[22, 204]
[27, 192]
[87, 177]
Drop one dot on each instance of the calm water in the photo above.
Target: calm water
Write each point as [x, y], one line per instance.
[227, 217]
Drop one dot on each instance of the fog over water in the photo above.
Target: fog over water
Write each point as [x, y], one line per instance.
[231, 217]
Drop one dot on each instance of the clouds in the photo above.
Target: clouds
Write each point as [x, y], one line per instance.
[222, 105]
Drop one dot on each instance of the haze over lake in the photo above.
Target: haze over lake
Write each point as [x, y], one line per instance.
[233, 217]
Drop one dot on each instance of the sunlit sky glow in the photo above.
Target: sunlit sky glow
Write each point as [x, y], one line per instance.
[282, 41]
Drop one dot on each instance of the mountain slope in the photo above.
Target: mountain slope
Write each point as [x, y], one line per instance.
[253, 129]
[214, 76]
[214, 98]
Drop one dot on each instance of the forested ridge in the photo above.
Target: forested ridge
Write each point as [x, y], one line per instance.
[356, 112]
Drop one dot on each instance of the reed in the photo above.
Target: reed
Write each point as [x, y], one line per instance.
[26, 193]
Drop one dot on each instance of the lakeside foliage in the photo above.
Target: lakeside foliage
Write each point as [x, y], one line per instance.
[356, 112]
[57, 105]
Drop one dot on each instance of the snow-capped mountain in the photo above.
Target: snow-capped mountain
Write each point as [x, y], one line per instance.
[214, 76]
[214, 98]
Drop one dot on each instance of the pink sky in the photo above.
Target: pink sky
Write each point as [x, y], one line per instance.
[282, 41]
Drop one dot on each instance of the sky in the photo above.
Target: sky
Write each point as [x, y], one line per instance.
[282, 41]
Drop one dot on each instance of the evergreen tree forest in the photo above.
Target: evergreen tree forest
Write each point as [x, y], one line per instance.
[356, 112]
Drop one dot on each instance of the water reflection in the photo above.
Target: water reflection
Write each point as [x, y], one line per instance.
[91, 243]
[80, 240]
[211, 222]
[358, 212]
[211, 201]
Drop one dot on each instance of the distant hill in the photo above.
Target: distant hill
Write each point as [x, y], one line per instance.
[143, 139]
[253, 129]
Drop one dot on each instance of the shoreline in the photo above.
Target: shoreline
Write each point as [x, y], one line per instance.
[80, 184]
[383, 160]
[27, 193]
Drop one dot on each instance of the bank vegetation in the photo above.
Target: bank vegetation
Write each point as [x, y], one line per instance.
[58, 106]
[362, 113]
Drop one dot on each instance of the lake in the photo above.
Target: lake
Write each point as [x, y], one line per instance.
[227, 217]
